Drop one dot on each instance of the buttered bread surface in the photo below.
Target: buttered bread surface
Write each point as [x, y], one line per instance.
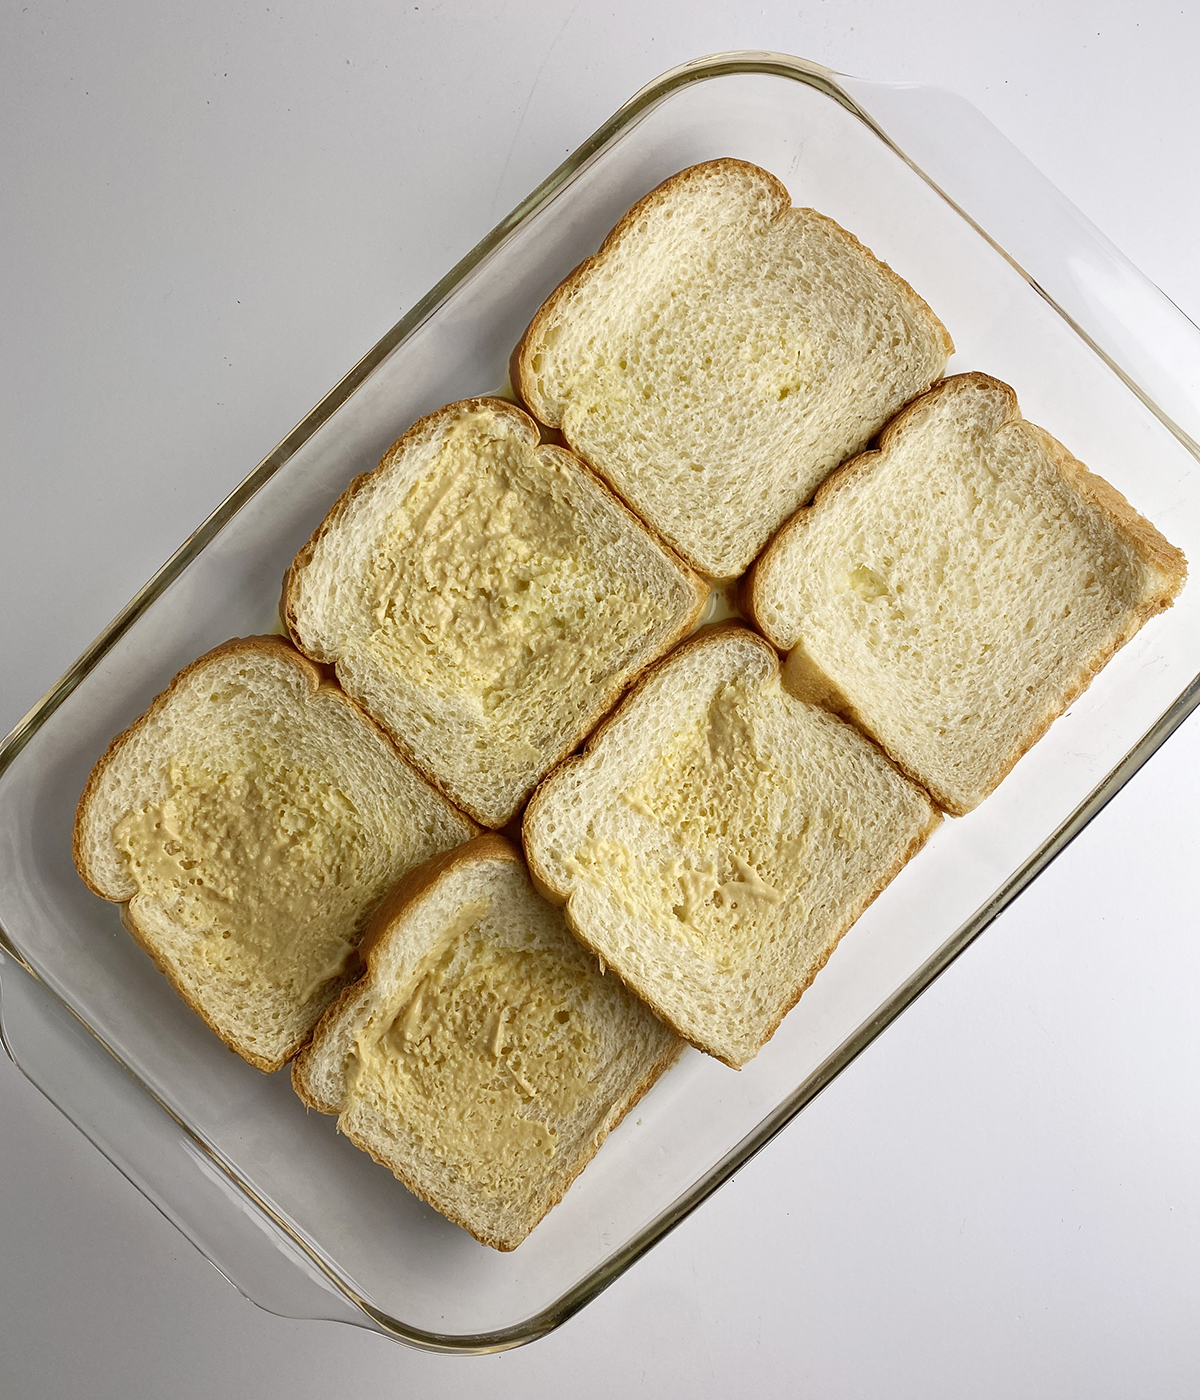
[251, 821]
[486, 599]
[484, 1057]
[718, 837]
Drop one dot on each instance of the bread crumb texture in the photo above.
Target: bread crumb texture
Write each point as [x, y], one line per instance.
[719, 838]
[721, 792]
[961, 586]
[722, 354]
[483, 598]
[485, 1058]
[253, 820]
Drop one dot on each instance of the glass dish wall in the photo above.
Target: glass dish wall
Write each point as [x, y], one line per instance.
[1030, 294]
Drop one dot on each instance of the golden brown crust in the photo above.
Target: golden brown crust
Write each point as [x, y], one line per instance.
[747, 586]
[411, 887]
[549, 434]
[305, 1090]
[803, 679]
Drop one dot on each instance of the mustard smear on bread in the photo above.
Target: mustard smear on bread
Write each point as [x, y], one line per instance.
[488, 591]
[710, 864]
[265, 865]
[487, 1047]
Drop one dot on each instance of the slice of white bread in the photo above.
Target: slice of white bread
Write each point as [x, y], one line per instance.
[718, 837]
[954, 591]
[251, 820]
[486, 599]
[483, 1058]
[721, 354]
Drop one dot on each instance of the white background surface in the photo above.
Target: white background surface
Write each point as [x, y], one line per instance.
[209, 212]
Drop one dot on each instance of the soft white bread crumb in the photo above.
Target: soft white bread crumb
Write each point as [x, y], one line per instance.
[483, 1058]
[721, 354]
[718, 837]
[953, 592]
[251, 821]
[486, 599]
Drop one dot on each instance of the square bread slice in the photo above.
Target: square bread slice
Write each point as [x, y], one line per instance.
[721, 354]
[483, 1058]
[250, 821]
[954, 591]
[486, 599]
[718, 837]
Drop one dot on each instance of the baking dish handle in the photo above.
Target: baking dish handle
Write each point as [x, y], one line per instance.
[60, 1057]
[1145, 338]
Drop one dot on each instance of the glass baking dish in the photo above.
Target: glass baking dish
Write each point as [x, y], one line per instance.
[292, 1213]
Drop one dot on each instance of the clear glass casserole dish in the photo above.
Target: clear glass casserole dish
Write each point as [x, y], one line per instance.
[293, 1214]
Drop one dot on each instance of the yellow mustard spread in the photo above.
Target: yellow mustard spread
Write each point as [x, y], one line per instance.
[488, 1049]
[708, 862]
[264, 865]
[490, 589]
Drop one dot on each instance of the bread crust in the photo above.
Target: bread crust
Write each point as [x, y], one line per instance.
[406, 893]
[1155, 552]
[306, 1090]
[317, 684]
[420, 431]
